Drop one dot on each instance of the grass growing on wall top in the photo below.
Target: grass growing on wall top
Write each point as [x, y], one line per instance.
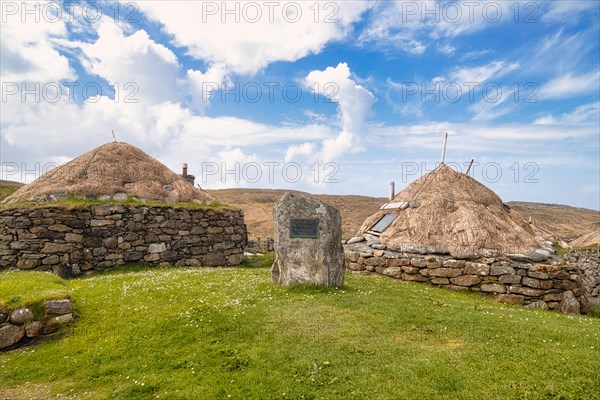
[19, 289]
[74, 202]
[228, 333]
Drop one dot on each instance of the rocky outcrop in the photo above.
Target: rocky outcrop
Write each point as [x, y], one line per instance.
[72, 241]
[308, 242]
[21, 326]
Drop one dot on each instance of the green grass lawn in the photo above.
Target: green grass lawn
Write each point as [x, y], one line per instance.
[38, 287]
[228, 333]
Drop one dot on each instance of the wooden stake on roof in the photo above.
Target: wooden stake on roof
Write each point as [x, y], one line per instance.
[114, 136]
[470, 165]
[444, 149]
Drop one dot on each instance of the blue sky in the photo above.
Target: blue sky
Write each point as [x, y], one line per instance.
[328, 97]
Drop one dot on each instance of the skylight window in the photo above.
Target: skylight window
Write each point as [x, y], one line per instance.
[384, 223]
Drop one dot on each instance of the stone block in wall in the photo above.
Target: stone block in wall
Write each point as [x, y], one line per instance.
[395, 272]
[356, 266]
[493, 288]
[10, 334]
[397, 262]
[537, 274]
[53, 325]
[569, 303]
[558, 275]
[570, 284]
[133, 256]
[510, 298]
[510, 279]
[57, 248]
[584, 304]
[418, 262]
[156, 248]
[171, 256]
[34, 329]
[21, 316]
[453, 263]
[414, 277]
[58, 307]
[440, 281]
[410, 270]
[526, 291]
[25, 263]
[473, 268]
[352, 256]
[445, 272]
[502, 270]
[213, 260]
[73, 238]
[150, 258]
[531, 282]
[552, 297]
[375, 261]
[538, 304]
[466, 280]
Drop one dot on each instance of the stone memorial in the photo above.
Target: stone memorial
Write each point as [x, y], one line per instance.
[308, 245]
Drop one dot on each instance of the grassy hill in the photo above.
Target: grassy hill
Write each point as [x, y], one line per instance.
[564, 221]
[228, 333]
[7, 188]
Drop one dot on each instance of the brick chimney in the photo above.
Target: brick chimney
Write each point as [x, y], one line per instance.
[184, 174]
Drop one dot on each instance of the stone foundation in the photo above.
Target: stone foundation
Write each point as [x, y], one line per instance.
[21, 326]
[73, 241]
[533, 285]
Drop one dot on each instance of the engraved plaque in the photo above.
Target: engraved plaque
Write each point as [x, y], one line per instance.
[304, 228]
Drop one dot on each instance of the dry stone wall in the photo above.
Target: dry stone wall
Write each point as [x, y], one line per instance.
[533, 285]
[74, 241]
[21, 325]
[588, 263]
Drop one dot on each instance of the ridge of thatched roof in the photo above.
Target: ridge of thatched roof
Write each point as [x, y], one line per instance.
[588, 239]
[112, 168]
[450, 211]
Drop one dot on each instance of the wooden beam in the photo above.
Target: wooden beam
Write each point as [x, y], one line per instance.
[470, 165]
[444, 149]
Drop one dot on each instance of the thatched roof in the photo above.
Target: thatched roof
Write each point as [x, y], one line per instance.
[589, 239]
[110, 169]
[448, 211]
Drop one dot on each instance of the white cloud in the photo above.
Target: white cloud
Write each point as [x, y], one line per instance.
[495, 102]
[300, 150]
[246, 47]
[587, 114]
[354, 106]
[28, 47]
[569, 85]
[514, 139]
[482, 73]
[135, 59]
[411, 25]
[204, 85]
[447, 49]
[569, 11]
